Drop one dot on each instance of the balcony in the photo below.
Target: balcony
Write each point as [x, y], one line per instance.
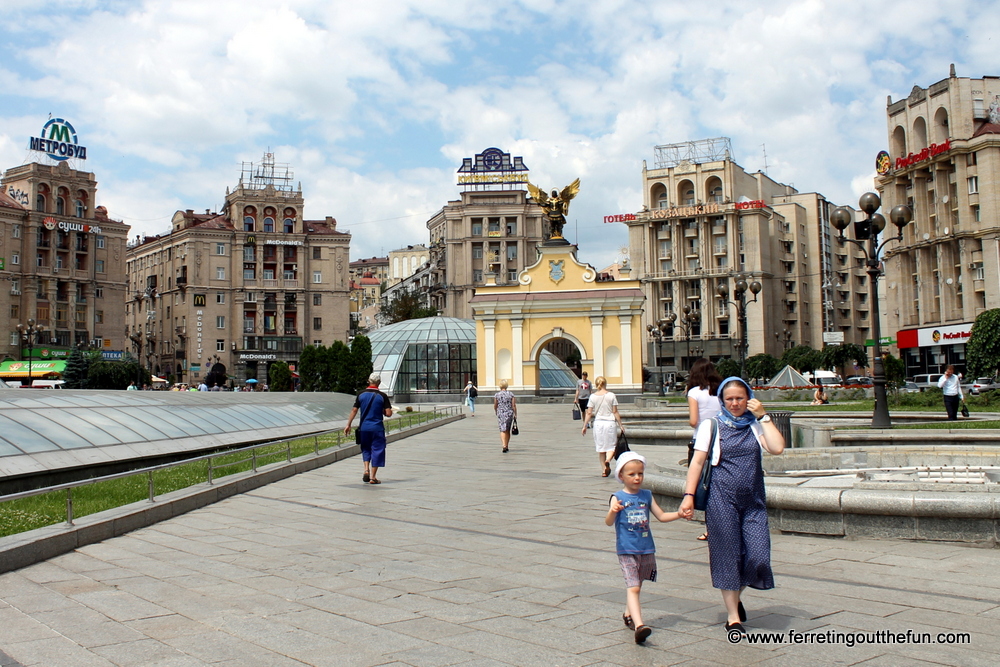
[720, 250]
[180, 331]
[291, 283]
[270, 282]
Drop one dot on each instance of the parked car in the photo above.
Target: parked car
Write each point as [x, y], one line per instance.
[910, 388]
[862, 380]
[927, 380]
[984, 384]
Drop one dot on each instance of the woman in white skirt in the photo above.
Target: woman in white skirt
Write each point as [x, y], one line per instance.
[603, 409]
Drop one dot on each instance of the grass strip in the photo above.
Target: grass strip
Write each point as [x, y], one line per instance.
[47, 509]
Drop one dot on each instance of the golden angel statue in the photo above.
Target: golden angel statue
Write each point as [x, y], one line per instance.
[556, 206]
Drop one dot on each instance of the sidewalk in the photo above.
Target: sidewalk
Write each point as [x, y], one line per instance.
[466, 556]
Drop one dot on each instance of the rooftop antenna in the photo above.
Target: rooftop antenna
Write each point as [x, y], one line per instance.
[763, 147]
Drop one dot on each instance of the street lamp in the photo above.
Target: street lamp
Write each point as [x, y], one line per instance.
[868, 230]
[785, 338]
[136, 339]
[29, 336]
[658, 333]
[743, 283]
[687, 321]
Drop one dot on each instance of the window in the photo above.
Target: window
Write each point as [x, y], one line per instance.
[40, 203]
[317, 323]
[477, 228]
[220, 273]
[39, 260]
[99, 266]
[268, 224]
[15, 285]
[220, 248]
[251, 297]
[220, 297]
[511, 252]
[289, 225]
[477, 276]
[973, 185]
[80, 209]
[512, 275]
[220, 321]
[15, 258]
[249, 273]
[511, 228]
[99, 242]
[249, 254]
[317, 277]
[98, 292]
[477, 252]
[248, 223]
[317, 342]
[15, 232]
[220, 345]
[99, 317]
[15, 312]
[317, 299]
[975, 214]
[317, 253]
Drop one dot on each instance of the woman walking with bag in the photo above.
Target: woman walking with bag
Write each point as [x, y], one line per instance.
[739, 544]
[505, 405]
[702, 385]
[603, 407]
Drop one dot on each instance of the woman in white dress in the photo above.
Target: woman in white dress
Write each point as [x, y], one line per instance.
[603, 409]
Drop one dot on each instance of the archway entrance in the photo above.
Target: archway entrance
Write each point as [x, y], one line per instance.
[558, 365]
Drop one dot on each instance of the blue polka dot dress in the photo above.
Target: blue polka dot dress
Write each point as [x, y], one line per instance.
[736, 516]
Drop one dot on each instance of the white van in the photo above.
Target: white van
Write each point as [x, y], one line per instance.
[47, 384]
[826, 379]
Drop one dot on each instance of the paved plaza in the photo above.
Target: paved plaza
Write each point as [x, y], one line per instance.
[466, 556]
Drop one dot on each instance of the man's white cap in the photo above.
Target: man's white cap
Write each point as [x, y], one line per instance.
[625, 458]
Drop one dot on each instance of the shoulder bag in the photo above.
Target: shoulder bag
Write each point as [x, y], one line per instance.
[621, 446]
[705, 483]
[513, 427]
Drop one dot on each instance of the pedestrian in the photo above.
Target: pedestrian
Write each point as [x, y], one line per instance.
[602, 407]
[820, 397]
[951, 387]
[628, 512]
[505, 406]
[471, 392]
[202, 386]
[739, 545]
[374, 406]
[583, 391]
[131, 387]
[703, 403]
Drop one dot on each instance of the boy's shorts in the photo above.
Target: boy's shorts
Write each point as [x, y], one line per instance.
[637, 568]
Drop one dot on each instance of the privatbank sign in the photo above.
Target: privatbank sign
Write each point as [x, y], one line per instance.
[492, 167]
[58, 140]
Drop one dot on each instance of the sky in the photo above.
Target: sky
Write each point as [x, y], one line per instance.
[374, 104]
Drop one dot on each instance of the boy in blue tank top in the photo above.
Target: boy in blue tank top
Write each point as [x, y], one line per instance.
[628, 512]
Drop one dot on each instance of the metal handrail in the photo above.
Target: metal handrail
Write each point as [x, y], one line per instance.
[398, 423]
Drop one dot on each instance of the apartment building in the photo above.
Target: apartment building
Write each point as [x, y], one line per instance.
[238, 290]
[62, 262]
[404, 262]
[705, 221]
[944, 162]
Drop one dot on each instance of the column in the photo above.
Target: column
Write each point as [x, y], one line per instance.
[490, 354]
[517, 353]
[597, 342]
[625, 326]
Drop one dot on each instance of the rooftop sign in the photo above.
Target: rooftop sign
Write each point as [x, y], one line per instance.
[58, 140]
[492, 167]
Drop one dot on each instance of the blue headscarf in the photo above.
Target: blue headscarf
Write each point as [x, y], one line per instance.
[725, 416]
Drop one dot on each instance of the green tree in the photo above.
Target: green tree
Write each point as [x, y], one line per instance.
[727, 368]
[895, 369]
[802, 358]
[75, 374]
[762, 366]
[279, 377]
[337, 375]
[405, 305]
[116, 374]
[361, 362]
[311, 364]
[839, 356]
[982, 350]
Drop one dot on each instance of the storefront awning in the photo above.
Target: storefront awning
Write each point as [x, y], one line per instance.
[39, 369]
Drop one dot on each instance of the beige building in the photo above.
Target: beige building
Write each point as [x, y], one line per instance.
[705, 221]
[244, 288]
[62, 262]
[377, 267]
[944, 162]
[404, 262]
[493, 228]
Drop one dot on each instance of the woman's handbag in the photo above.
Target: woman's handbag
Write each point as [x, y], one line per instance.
[513, 427]
[965, 409]
[705, 483]
[576, 414]
[622, 446]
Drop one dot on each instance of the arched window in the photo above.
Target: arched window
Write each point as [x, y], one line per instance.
[81, 210]
[919, 133]
[899, 141]
[249, 219]
[685, 193]
[714, 189]
[941, 132]
[40, 203]
[658, 196]
[268, 224]
[289, 225]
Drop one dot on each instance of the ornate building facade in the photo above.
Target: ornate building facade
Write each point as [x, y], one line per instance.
[944, 162]
[241, 288]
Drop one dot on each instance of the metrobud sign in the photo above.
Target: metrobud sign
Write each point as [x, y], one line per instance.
[58, 140]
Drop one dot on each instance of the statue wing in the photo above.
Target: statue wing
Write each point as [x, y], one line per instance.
[570, 191]
[538, 195]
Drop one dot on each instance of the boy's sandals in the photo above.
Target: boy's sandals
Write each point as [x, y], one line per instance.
[641, 633]
[628, 622]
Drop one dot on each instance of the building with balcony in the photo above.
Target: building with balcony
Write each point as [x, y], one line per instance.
[705, 221]
[237, 290]
[943, 161]
[62, 262]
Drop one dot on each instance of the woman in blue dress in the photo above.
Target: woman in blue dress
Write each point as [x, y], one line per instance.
[739, 543]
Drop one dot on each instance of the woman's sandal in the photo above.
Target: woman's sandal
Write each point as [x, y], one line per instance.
[628, 622]
[703, 536]
[375, 481]
[641, 633]
[365, 478]
[504, 450]
[607, 469]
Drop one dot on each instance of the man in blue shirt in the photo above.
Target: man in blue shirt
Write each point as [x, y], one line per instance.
[374, 406]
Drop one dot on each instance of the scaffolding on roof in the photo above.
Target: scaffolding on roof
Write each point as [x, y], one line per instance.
[694, 152]
[259, 175]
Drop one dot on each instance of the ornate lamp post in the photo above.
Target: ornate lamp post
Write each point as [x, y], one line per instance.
[658, 333]
[690, 317]
[137, 339]
[740, 303]
[29, 336]
[866, 237]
